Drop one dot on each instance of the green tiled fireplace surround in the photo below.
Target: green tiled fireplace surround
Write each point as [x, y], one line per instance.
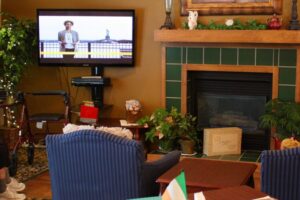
[285, 59]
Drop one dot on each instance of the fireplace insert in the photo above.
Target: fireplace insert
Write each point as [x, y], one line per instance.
[231, 99]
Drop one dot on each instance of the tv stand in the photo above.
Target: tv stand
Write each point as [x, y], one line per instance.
[96, 82]
[97, 91]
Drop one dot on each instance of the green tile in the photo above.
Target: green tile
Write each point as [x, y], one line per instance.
[173, 103]
[287, 76]
[264, 57]
[231, 157]
[173, 72]
[184, 50]
[173, 55]
[213, 157]
[195, 55]
[276, 54]
[288, 57]
[247, 56]
[229, 56]
[287, 93]
[211, 55]
[250, 153]
[249, 159]
[173, 89]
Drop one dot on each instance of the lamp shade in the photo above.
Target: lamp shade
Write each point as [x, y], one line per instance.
[168, 5]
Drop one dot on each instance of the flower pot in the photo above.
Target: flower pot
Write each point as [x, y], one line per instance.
[166, 146]
[187, 146]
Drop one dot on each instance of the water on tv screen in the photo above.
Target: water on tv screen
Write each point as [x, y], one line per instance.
[86, 37]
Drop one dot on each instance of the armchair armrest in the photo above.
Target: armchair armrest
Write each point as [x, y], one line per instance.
[152, 170]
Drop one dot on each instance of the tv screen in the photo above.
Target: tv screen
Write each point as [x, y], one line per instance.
[86, 37]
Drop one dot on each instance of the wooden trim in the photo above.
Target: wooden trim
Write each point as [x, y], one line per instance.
[287, 37]
[184, 80]
[230, 45]
[275, 82]
[229, 68]
[227, 8]
[297, 92]
[163, 76]
[226, 68]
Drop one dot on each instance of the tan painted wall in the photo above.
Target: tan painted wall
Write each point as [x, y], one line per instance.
[142, 82]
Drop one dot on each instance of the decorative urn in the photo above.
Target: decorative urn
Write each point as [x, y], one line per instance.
[274, 22]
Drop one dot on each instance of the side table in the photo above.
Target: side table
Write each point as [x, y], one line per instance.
[137, 130]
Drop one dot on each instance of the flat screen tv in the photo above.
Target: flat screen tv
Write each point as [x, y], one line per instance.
[86, 37]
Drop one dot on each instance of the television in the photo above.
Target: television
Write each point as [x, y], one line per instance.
[69, 37]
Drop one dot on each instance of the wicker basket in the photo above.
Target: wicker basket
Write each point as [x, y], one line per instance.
[133, 117]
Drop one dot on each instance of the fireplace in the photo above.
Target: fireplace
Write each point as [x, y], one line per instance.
[236, 51]
[231, 99]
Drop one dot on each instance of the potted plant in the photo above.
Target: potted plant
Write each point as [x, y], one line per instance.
[18, 41]
[18, 45]
[167, 128]
[188, 133]
[284, 117]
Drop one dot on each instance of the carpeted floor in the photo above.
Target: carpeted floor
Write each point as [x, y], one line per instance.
[25, 171]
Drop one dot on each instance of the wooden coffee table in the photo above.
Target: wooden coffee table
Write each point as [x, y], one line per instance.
[205, 174]
[236, 193]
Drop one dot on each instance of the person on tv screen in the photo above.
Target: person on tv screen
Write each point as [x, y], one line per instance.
[68, 39]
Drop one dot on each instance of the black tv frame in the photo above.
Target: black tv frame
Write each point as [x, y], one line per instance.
[87, 64]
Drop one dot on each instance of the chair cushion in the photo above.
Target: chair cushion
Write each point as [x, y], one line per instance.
[47, 117]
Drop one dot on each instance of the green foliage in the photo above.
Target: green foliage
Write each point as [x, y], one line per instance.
[17, 50]
[166, 128]
[284, 116]
[237, 25]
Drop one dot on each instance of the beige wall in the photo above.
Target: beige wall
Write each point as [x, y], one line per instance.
[142, 82]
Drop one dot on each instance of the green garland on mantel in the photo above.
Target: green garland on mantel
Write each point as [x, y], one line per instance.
[237, 25]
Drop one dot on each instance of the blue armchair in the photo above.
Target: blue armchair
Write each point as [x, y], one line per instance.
[89, 165]
[280, 173]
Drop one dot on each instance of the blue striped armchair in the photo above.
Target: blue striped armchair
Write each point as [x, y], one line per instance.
[89, 164]
[280, 173]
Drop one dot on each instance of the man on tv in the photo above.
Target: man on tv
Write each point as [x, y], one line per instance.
[68, 40]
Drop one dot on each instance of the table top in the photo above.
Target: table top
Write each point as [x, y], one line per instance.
[236, 193]
[210, 174]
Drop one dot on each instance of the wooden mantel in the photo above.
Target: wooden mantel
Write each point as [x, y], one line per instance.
[286, 37]
[232, 38]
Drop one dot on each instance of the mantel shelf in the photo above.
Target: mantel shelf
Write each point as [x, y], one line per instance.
[276, 37]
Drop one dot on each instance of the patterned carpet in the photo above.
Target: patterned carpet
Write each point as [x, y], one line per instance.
[25, 171]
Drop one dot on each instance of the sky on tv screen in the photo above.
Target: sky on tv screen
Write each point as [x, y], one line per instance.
[87, 27]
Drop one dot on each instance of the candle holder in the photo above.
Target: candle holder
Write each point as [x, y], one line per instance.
[294, 22]
[168, 21]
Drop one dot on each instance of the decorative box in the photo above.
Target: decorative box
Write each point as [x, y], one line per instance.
[88, 114]
[222, 141]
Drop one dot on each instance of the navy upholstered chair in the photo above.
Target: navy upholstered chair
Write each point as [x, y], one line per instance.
[90, 164]
[280, 173]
